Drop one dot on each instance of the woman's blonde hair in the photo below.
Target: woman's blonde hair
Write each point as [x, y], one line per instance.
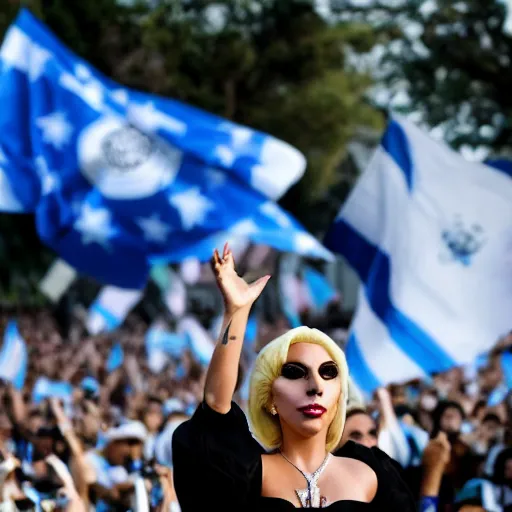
[267, 368]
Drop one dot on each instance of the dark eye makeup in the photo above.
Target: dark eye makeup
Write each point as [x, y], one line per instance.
[294, 371]
[328, 370]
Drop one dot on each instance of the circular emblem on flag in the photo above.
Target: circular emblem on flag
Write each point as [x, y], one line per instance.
[127, 148]
[124, 163]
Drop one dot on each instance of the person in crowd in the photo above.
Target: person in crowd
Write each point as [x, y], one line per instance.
[297, 406]
[153, 417]
[361, 428]
[114, 462]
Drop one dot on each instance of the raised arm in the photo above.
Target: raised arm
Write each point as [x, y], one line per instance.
[239, 297]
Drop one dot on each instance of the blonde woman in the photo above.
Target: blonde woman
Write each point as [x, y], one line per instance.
[297, 404]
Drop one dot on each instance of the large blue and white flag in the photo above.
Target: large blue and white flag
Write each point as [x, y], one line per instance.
[430, 236]
[13, 357]
[119, 179]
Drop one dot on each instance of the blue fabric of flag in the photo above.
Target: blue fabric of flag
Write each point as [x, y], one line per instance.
[115, 358]
[13, 356]
[119, 179]
[506, 366]
[320, 290]
[45, 388]
[171, 343]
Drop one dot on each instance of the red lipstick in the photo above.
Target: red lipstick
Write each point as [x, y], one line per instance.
[313, 410]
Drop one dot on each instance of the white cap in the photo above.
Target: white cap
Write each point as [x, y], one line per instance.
[128, 430]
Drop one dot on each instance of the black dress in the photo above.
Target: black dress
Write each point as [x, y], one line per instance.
[217, 465]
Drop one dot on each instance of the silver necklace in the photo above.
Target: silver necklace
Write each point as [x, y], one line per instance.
[310, 497]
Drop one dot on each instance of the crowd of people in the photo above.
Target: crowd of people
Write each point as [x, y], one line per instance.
[108, 446]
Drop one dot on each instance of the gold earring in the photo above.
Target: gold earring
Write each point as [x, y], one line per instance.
[273, 410]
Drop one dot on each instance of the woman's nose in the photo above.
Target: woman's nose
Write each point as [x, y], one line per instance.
[315, 385]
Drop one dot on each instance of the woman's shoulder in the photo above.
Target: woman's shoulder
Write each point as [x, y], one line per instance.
[373, 457]
[216, 451]
[391, 487]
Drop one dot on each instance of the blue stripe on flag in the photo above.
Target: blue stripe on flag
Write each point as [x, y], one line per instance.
[373, 268]
[395, 142]
[111, 321]
[504, 166]
[360, 372]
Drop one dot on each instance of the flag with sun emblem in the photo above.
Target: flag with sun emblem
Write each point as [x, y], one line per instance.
[119, 180]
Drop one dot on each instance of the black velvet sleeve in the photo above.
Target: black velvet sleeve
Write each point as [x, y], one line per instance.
[216, 461]
[392, 491]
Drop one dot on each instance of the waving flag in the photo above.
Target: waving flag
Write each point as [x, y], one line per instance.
[119, 179]
[430, 236]
[161, 345]
[199, 340]
[115, 358]
[172, 288]
[45, 388]
[110, 308]
[13, 357]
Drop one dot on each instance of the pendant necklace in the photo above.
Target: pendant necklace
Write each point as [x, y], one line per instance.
[310, 497]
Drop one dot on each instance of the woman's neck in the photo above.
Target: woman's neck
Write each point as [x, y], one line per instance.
[306, 453]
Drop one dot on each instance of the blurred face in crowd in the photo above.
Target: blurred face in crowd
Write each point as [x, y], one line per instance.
[119, 452]
[451, 421]
[490, 376]
[307, 392]
[153, 416]
[360, 428]
[5, 427]
[491, 429]
[35, 421]
[508, 470]
[44, 446]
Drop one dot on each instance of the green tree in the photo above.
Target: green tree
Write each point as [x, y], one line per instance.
[275, 65]
[453, 61]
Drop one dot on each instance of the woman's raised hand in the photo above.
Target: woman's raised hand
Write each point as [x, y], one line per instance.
[236, 292]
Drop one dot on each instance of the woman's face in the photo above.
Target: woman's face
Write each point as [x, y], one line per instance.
[360, 428]
[307, 393]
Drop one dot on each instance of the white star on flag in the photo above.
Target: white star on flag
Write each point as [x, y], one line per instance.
[121, 96]
[147, 118]
[56, 129]
[225, 155]
[95, 226]
[91, 92]
[270, 209]
[37, 62]
[49, 179]
[21, 53]
[240, 135]
[154, 229]
[82, 72]
[192, 207]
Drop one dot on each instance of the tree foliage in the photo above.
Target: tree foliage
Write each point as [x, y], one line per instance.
[453, 61]
[275, 65]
